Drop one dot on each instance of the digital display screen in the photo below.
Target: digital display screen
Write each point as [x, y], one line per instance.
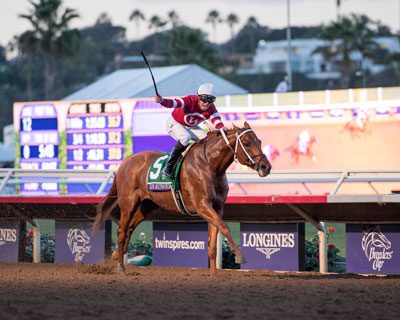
[39, 140]
[95, 136]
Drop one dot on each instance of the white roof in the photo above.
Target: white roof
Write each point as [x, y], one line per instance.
[171, 81]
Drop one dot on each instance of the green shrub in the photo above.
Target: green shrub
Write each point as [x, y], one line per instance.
[47, 243]
[312, 254]
[228, 257]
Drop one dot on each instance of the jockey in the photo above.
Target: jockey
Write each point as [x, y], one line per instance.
[183, 124]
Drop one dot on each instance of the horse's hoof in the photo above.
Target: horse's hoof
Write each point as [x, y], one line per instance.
[240, 259]
[121, 268]
[213, 272]
[115, 255]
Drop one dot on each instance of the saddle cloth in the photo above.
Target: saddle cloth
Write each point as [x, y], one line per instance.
[158, 182]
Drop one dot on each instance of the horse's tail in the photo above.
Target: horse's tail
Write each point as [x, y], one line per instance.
[104, 208]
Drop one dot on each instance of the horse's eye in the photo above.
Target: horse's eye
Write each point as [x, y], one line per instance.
[247, 144]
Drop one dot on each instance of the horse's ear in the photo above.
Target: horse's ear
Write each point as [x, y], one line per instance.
[246, 125]
[234, 127]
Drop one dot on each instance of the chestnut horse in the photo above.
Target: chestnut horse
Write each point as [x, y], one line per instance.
[204, 186]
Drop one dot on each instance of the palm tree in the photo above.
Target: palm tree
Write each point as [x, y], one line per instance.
[347, 35]
[214, 18]
[252, 22]
[174, 18]
[231, 20]
[364, 42]
[338, 5]
[137, 16]
[27, 46]
[156, 22]
[251, 25]
[51, 36]
[190, 46]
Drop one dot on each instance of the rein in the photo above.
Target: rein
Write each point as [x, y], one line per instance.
[238, 141]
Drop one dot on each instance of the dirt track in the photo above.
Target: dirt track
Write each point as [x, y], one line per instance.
[48, 291]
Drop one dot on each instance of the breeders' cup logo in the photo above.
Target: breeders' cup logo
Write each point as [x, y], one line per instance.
[7, 235]
[268, 243]
[78, 242]
[376, 246]
[193, 119]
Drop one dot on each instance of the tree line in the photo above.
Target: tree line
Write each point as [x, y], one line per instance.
[52, 60]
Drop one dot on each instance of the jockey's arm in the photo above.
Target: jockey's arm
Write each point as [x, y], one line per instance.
[215, 119]
[171, 103]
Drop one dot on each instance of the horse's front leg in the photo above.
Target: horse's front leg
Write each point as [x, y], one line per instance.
[210, 215]
[212, 248]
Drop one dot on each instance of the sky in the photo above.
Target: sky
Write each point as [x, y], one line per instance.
[272, 13]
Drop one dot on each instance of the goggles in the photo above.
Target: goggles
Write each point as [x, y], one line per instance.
[206, 98]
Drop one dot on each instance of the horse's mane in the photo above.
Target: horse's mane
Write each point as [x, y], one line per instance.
[213, 134]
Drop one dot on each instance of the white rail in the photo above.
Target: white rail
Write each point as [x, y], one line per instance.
[103, 177]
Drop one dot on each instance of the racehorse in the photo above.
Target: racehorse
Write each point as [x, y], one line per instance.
[358, 125]
[204, 186]
[302, 146]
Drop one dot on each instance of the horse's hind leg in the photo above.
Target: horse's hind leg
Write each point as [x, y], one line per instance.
[212, 248]
[128, 208]
[138, 217]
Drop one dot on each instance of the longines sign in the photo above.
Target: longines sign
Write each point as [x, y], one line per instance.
[273, 246]
[9, 240]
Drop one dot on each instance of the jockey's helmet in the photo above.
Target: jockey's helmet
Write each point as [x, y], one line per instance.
[206, 92]
[206, 89]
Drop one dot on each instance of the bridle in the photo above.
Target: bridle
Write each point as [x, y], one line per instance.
[238, 142]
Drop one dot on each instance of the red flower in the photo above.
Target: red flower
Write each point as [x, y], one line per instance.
[331, 230]
[30, 233]
[331, 246]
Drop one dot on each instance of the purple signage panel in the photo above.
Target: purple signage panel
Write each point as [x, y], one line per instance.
[39, 140]
[273, 246]
[77, 242]
[10, 231]
[373, 249]
[180, 244]
[95, 139]
[161, 143]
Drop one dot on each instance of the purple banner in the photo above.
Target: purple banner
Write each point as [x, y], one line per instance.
[161, 143]
[77, 242]
[180, 244]
[231, 116]
[9, 240]
[273, 246]
[373, 249]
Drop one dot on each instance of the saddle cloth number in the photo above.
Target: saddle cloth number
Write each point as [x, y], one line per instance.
[158, 164]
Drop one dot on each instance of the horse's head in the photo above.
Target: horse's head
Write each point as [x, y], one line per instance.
[249, 152]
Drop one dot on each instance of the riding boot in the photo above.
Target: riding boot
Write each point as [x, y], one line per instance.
[176, 152]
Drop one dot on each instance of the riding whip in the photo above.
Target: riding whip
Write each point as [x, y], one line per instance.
[151, 73]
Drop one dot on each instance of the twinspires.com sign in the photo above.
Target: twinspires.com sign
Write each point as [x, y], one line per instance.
[373, 249]
[180, 244]
[273, 246]
[9, 240]
[76, 241]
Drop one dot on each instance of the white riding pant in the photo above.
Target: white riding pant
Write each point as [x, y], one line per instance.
[182, 133]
